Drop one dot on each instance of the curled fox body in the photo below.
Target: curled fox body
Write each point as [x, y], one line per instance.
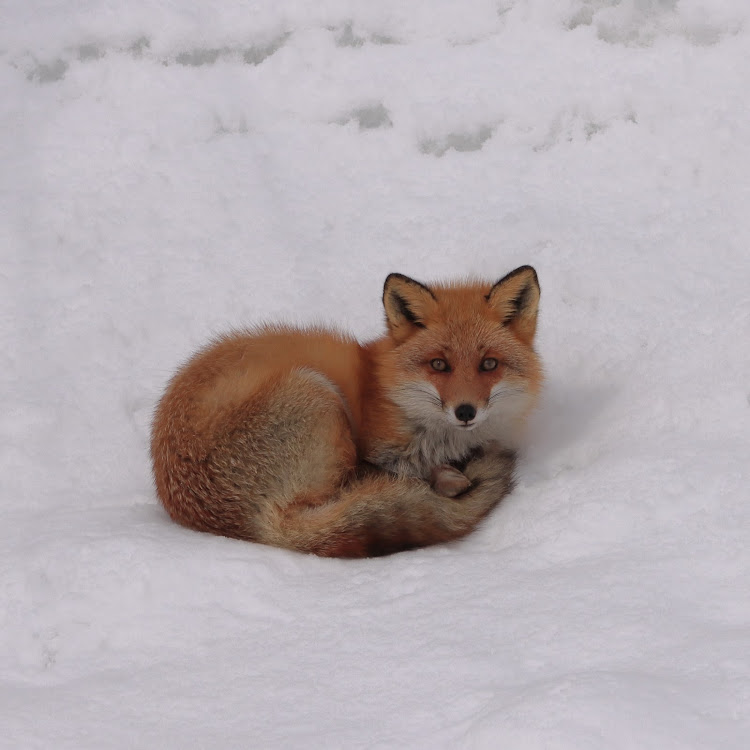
[309, 440]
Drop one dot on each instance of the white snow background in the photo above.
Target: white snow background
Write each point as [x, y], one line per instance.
[169, 170]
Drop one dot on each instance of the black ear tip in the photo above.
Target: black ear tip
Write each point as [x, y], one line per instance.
[520, 271]
[525, 270]
[393, 276]
[405, 280]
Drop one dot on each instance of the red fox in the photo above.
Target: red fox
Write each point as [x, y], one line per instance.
[309, 440]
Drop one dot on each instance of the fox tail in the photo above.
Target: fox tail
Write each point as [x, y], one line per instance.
[379, 514]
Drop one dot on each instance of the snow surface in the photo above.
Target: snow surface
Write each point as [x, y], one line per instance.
[169, 170]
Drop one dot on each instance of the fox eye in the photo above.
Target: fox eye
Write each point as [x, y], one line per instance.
[440, 365]
[488, 364]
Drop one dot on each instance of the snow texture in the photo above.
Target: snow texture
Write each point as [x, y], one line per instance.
[170, 170]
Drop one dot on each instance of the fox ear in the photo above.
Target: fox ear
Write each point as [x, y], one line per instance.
[408, 305]
[516, 298]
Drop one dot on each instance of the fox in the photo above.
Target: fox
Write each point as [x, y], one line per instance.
[306, 439]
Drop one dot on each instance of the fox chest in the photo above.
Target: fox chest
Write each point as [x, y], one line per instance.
[425, 450]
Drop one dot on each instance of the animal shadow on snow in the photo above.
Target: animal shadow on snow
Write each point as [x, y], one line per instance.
[567, 415]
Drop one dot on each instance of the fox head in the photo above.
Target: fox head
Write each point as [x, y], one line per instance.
[462, 353]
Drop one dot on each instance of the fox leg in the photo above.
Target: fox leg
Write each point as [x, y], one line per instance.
[448, 481]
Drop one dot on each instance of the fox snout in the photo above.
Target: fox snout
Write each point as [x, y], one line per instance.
[465, 413]
[465, 416]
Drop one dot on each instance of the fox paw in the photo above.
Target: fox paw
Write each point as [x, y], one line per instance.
[495, 464]
[447, 481]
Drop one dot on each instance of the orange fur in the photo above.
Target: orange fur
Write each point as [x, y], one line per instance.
[306, 439]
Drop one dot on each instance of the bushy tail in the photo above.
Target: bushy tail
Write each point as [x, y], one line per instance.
[381, 514]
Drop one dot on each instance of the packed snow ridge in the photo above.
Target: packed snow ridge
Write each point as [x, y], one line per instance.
[168, 173]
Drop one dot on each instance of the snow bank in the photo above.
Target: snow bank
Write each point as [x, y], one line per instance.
[167, 172]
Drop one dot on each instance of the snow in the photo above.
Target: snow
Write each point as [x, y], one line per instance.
[171, 170]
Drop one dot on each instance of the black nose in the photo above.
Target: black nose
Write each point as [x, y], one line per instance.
[465, 412]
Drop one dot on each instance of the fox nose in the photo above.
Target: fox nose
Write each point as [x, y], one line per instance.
[465, 412]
